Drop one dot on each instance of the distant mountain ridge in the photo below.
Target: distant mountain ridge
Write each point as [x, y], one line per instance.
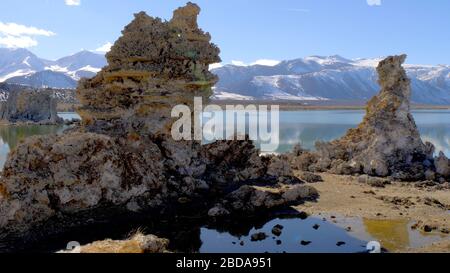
[331, 78]
[314, 78]
[20, 66]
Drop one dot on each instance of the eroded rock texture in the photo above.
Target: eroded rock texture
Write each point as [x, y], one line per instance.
[387, 142]
[154, 66]
[122, 158]
[29, 106]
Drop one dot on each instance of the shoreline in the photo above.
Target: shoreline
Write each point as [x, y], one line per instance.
[289, 106]
[399, 202]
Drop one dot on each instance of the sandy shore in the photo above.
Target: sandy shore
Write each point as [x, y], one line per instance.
[398, 203]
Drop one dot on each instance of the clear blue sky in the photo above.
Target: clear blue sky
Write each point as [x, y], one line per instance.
[248, 30]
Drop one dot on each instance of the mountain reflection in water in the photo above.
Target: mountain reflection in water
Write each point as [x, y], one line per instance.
[296, 127]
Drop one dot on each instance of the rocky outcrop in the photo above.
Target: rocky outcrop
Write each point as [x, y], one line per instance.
[154, 66]
[387, 142]
[29, 106]
[122, 157]
[442, 165]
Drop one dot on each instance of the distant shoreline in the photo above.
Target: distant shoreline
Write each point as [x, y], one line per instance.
[287, 106]
[314, 106]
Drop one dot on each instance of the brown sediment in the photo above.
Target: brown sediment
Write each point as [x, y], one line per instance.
[398, 202]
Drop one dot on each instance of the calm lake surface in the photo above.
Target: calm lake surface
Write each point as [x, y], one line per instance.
[296, 127]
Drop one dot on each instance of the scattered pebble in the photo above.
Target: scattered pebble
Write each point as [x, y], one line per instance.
[316, 226]
[427, 228]
[261, 236]
[340, 243]
[305, 243]
[303, 215]
[279, 242]
[277, 230]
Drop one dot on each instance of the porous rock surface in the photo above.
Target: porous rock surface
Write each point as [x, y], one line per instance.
[154, 66]
[386, 143]
[122, 156]
[29, 106]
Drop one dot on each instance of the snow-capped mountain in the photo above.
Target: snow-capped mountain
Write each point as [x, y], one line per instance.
[18, 62]
[332, 78]
[79, 65]
[23, 67]
[44, 79]
[313, 78]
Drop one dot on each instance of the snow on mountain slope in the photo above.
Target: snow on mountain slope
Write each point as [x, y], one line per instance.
[44, 79]
[22, 63]
[18, 62]
[328, 78]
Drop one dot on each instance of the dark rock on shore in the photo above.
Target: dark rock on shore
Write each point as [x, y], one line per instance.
[30, 106]
[122, 157]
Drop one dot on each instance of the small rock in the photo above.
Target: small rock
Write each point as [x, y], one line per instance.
[242, 243]
[340, 244]
[303, 215]
[310, 177]
[316, 226]
[305, 243]
[277, 230]
[261, 236]
[427, 228]
[348, 229]
[279, 242]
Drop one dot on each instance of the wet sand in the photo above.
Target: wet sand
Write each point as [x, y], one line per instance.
[399, 208]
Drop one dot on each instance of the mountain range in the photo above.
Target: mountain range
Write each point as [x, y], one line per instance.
[324, 79]
[20, 66]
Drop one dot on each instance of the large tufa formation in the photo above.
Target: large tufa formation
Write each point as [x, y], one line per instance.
[121, 160]
[29, 106]
[387, 142]
[154, 66]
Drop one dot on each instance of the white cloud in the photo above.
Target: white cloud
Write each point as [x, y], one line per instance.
[18, 30]
[13, 35]
[374, 2]
[265, 62]
[17, 42]
[105, 48]
[73, 2]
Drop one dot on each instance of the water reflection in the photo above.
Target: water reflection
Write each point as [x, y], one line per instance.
[324, 238]
[308, 127]
[296, 127]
